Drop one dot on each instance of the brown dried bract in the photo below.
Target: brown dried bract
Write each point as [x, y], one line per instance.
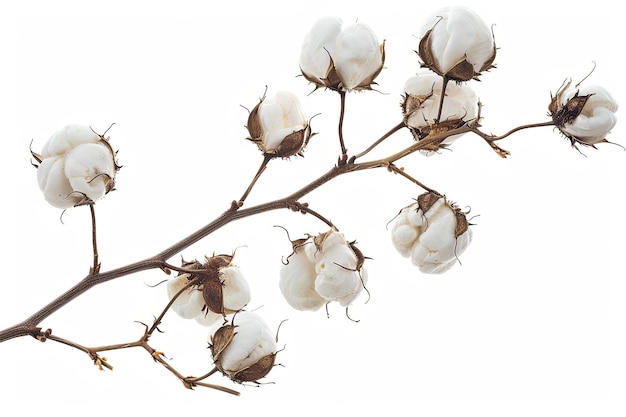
[462, 225]
[209, 281]
[321, 238]
[427, 200]
[563, 114]
[256, 371]
[213, 294]
[220, 341]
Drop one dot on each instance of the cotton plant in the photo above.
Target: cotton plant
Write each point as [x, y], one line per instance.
[77, 167]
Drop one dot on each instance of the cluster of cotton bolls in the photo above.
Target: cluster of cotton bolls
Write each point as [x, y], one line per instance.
[78, 166]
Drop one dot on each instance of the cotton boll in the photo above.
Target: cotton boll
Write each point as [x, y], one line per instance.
[244, 348]
[341, 60]
[322, 269]
[457, 44]
[585, 116]
[76, 166]
[430, 233]
[279, 126]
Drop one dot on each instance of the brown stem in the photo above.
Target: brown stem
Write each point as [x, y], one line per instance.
[304, 208]
[100, 362]
[443, 95]
[266, 159]
[94, 241]
[401, 172]
[157, 356]
[379, 141]
[189, 382]
[493, 138]
[344, 151]
[200, 378]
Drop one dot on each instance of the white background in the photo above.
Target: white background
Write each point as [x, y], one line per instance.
[531, 323]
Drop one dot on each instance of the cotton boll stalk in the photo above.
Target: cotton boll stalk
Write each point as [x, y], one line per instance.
[457, 44]
[76, 167]
[585, 116]
[244, 349]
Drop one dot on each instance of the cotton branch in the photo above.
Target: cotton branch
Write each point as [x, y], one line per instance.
[77, 167]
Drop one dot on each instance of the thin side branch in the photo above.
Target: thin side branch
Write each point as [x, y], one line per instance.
[266, 160]
[344, 151]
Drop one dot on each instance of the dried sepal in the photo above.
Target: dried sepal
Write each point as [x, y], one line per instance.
[563, 114]
[256, 371]
[221, 339]
[427, 200]
[213, 294]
